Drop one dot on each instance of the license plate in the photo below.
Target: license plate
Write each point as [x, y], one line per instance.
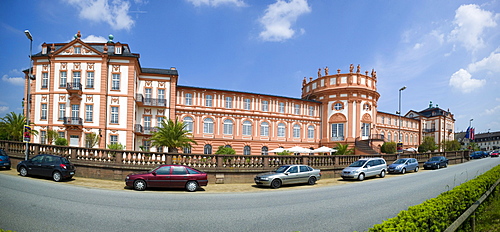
[6, 164]
[72, 173]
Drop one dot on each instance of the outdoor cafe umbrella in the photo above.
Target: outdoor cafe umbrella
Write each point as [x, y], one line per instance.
[324, 149]
[279, 149]
[298, 149]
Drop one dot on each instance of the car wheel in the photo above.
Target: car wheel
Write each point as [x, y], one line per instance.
[438, 167]
[382, 174]
[191, 186]
[416, 169]
[361, 176]
[56, 176]
[403, 171]
[276, 183]
[312, 180]
[445, 165]
[23, 171]
[140, 185]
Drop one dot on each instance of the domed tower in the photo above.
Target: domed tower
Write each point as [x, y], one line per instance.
[349, 104]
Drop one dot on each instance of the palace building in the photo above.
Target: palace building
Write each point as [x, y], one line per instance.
[82, 88]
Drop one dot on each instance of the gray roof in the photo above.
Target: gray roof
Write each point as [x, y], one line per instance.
[160, 71]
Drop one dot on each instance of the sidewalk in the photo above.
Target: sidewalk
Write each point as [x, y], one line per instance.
[210, 188]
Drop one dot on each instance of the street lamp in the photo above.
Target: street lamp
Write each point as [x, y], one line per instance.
[27, 104]
[399, 113]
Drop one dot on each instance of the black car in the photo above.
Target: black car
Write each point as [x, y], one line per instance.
[57, 167]
[436, 162]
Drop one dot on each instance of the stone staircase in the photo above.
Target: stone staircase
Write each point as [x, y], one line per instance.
[363, 147]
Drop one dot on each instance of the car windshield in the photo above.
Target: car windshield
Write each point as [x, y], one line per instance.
[358, 163]
[282, 169]
[400, 161]
[2, 152]
[435, 158]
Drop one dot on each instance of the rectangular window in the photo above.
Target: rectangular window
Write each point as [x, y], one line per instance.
[265, 106]
[113, 139]
[78, 50]
[229, 102]
[281, 107]
[297, 109]
[189, 99]
[75, 112]
[45, 80]
[114, 114]
[148, 93]
[61, 134]
[62, 111]
[115, 83]
[43, 137]
[311, 110]
[89, 113]
[44, 112]
[147, 122]
[90, 80]
[208, 101]
[161, 97]
[310, 132]
[337, 131]
[159, 121]
[246, 104]
[63, 79]
[77, 78]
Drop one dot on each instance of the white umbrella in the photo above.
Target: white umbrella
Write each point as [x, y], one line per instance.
[411, 149]
[298, 149]
[324, 149]
[279, 149]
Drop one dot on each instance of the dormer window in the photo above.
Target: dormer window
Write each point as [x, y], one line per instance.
[78, 50]
[118, 48]
[44, 50]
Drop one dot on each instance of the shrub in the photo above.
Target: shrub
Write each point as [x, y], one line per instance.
[61, 142]
[389, 147]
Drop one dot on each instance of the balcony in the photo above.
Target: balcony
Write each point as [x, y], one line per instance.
[73, 122]
[429, 130]
[74, 88]
[142, 101]
[140, 130]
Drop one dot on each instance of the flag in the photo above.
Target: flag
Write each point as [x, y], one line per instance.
[472, 133]
[467, 133]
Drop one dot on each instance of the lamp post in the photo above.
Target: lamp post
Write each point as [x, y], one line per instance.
[27, 104]
[399, 113]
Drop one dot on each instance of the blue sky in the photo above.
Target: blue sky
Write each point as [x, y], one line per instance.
[447, 52]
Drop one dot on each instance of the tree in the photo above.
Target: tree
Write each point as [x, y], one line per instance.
[61, 142]
[342, 149]
[173, 135]
[91, 140]
[225, 151]
[13, 125]
[452, 145]
[428, 145]
[52, 135]
[388, 147]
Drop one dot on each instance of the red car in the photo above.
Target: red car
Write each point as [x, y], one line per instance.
[494, 154]
[168, 176]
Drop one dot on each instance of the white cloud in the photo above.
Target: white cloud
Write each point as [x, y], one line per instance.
[94, 39]
[492, 110]
[216, 3]
[4, 110]
[470, 22]
[491, 63]
[462, 80]
[279, 18]
[19, 81]
[114, 13]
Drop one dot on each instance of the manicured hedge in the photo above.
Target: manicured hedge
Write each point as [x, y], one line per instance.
[438, 213]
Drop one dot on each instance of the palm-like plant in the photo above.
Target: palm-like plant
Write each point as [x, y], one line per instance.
[52, 135]
[91, 140]
[342, 149]
[173, 135]
[13, 125]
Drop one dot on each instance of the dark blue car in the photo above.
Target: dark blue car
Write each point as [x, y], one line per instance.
[436, 162]
[4, 160]
[478, 155]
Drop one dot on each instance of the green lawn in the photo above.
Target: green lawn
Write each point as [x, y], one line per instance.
[489, 220]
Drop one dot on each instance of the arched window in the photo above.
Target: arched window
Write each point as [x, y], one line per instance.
[310, 132]
[383, 135]
[228, 146]
[247, 128]
[189, 124]
[265, 150]
[296, 131]
[207, 149]
[246, 150]
[208, 126]
[264, 129]
[281, 130]
[228, 127]
[389, 137]
[406, 138]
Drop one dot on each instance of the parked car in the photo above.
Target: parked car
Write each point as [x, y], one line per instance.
[477, 155]
[289, 174]
[403, 165]
[436, 162]
[365, 168]
[168, 176]
[4, 159]
[57, 167]
[494, 154]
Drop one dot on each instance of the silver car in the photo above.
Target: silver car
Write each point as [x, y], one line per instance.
[365, 168]
[289, 174]
[403, 165]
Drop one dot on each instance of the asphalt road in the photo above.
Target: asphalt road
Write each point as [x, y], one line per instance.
[31, 204]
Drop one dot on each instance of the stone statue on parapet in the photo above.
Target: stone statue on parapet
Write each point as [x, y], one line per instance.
[319, 72]
[358, 69]
[351, 68]
[326, 71]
